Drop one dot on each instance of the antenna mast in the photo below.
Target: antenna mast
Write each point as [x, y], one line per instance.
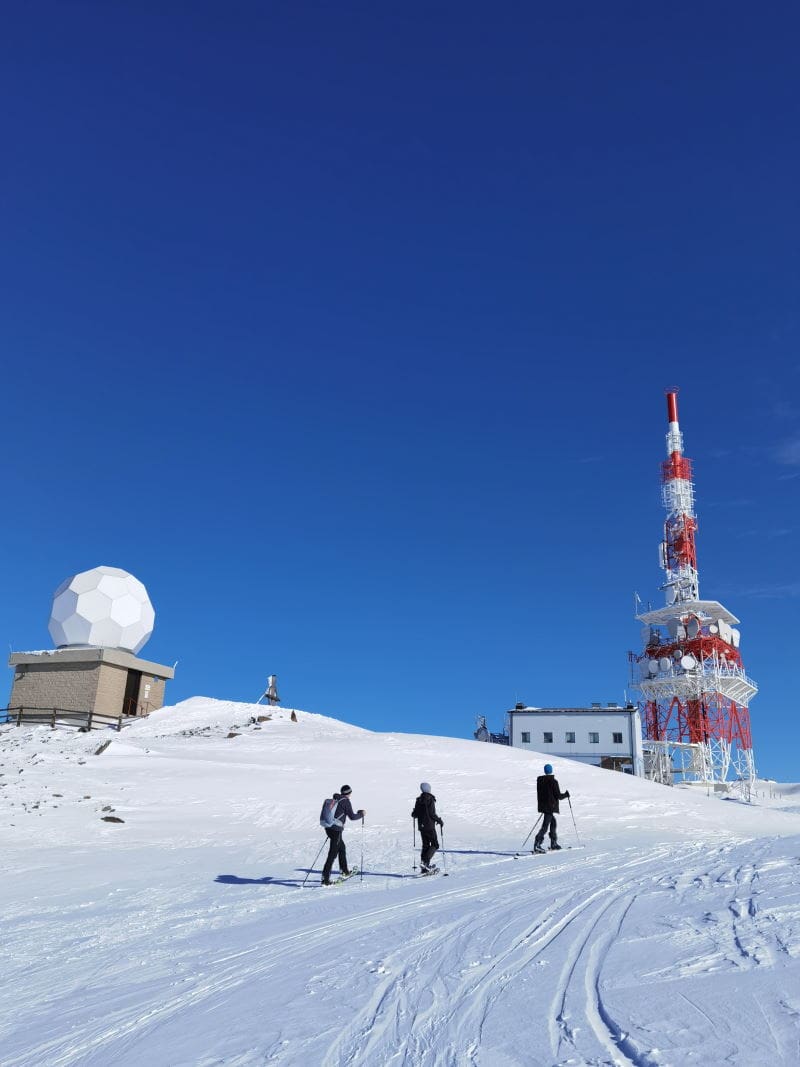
[270, 694]
[691, 676]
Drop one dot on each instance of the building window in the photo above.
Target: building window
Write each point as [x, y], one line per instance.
[526, 738]
[548, 738]
[617, 739]
[570, 737]
[594, 739]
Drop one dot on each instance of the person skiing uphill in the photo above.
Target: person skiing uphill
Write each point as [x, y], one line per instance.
[548, 794]
[342, 812]
[425, 814]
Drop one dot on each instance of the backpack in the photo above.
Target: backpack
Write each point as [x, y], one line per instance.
[327, 818]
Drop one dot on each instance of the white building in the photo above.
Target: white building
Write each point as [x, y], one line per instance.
[607, 736]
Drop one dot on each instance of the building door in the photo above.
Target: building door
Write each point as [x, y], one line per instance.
[130, 702]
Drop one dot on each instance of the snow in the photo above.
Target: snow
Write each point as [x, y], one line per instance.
[182, 936]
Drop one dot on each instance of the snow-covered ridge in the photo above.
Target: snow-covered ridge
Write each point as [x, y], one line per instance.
[206, 714]
[180, 933]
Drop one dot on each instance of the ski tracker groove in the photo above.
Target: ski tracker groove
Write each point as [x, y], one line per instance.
[115, 1033]
[444, 974]
[467, 1000]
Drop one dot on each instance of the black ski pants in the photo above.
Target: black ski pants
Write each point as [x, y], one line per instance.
[336, 850]
[430, 843]
[548, 823]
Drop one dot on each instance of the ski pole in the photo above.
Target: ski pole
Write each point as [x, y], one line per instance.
[313, 865]
[361, 868]
[413, 844]
[444, 853]
[527, 839]
[572, 813]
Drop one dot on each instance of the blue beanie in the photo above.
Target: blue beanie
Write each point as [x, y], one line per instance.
[548, 768]
[424, 787]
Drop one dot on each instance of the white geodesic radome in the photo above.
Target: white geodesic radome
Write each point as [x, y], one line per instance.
[105, 608]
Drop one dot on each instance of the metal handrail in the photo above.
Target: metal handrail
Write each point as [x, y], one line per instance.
[52, 716]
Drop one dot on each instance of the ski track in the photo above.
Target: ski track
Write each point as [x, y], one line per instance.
[114, 1033]
[455, 970]
[389, 1021]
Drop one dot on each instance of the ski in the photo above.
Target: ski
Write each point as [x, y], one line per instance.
[550, 851]
[547, 851]
[346, 877]
[429, 874]
[342, 878]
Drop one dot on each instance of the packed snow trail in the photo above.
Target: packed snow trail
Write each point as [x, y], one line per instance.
[671, 939]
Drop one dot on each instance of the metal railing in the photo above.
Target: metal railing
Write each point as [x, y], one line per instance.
[81, 720]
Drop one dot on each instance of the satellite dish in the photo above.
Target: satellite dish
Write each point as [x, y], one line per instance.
[735, 638]
[644, 667]
[677, 653]
[688, 663]
[652, 666]
[664, 663]
[693, 628]
[713, 629]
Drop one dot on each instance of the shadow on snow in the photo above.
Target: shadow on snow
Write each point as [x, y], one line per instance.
[296, 883]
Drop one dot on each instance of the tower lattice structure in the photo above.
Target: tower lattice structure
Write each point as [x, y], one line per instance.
[694, 687]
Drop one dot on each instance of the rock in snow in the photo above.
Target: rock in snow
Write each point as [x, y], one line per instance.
[671, 937]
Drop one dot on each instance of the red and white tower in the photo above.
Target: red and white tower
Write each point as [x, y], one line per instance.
[694, 687]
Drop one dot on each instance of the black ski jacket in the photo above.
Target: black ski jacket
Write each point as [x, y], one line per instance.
[425, 812]
[548, 794]
[344, 811]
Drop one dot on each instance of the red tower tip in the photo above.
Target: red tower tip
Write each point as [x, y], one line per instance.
[672, 405]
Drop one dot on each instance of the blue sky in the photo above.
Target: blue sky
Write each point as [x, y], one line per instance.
[345, 327]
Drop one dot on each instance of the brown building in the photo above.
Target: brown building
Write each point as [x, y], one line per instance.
[108, 681]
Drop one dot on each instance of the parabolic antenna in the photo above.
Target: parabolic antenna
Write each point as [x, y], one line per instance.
[652, 666]
[713, 629]
[693, 628]
[665, 663]
[677, 653]
[688, 663]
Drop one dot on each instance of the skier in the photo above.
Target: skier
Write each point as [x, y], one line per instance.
[425, 814]
[343, 812]
[548, 794]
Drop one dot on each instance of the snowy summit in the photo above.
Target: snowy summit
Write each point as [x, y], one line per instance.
[161, 905]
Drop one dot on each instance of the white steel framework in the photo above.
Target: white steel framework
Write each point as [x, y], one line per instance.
[694, 687]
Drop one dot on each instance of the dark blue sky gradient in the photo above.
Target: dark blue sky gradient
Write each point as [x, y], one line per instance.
[345, 327]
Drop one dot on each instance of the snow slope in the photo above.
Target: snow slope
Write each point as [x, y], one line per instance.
[182, 935]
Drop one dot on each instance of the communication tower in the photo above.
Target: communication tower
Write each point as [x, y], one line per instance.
[694, 687]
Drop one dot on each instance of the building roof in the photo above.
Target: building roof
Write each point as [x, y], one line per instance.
[116, 656]
[599, 709]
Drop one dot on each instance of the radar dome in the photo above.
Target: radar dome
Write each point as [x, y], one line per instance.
[104, 608]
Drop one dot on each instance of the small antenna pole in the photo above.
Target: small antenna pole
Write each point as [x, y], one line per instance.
[270, 694]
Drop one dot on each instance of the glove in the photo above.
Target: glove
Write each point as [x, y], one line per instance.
[440, 822]
[566, 795]
[361, 812]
